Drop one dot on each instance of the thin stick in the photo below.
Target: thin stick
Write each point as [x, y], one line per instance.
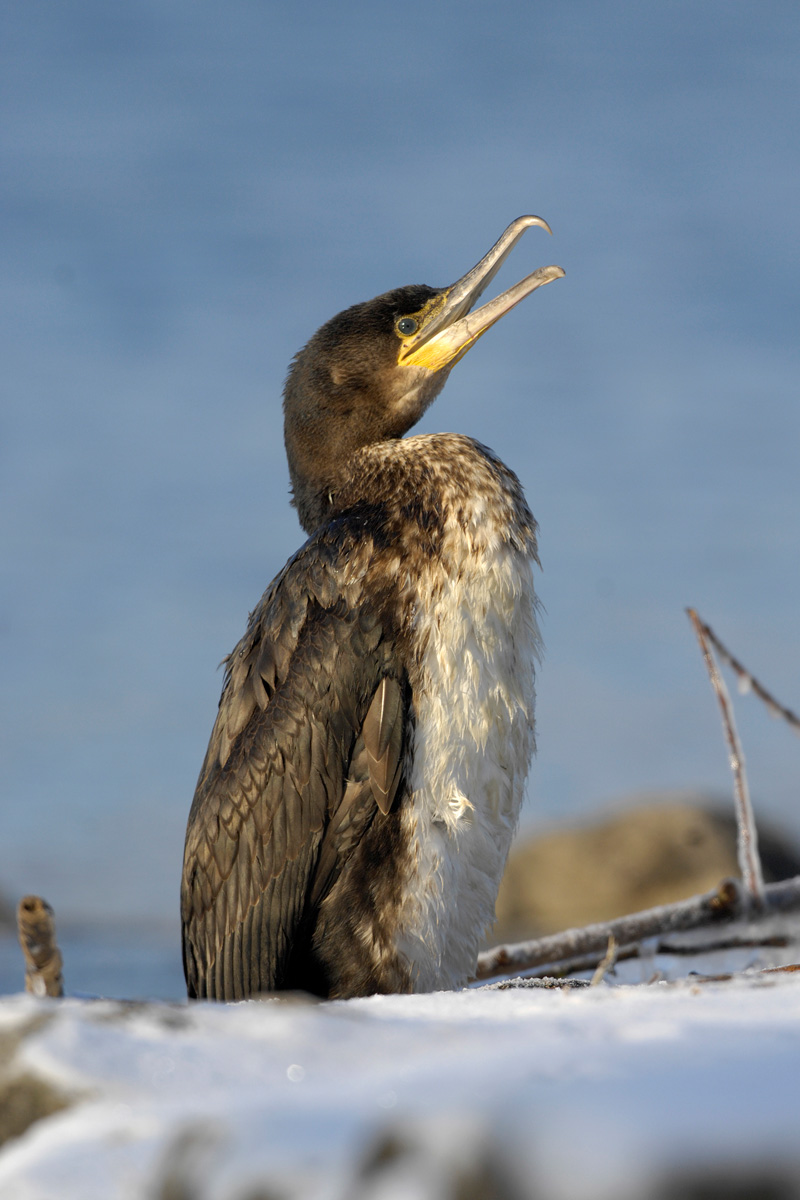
[606, 962]
[591, 942]
[37, 936]
[747, 836]
[748, 682]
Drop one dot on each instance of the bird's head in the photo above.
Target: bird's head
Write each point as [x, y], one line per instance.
[369, 374]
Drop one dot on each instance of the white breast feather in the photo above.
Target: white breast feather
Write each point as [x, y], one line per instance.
[473, 743]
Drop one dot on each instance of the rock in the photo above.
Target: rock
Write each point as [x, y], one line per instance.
[656, 851]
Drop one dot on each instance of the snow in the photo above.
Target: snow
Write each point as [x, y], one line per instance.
[604, 1092]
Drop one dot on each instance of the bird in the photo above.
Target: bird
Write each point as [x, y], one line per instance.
[365, 772]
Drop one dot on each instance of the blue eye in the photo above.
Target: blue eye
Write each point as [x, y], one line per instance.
[407, 326]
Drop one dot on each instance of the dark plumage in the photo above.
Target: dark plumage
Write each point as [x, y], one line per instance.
[333, 793]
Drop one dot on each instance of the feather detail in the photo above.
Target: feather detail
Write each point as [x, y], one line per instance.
[383, 741]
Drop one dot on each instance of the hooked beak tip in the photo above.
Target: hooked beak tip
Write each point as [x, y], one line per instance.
[455, 327]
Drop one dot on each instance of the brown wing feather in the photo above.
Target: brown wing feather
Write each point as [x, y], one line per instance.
[383, 741]
[287, 786]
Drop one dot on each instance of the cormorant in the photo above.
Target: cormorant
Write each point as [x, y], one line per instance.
[364, 776]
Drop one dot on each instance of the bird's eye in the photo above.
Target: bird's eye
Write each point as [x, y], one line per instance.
[407, 326]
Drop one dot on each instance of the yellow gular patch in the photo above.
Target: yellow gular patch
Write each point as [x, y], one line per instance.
[443, 350]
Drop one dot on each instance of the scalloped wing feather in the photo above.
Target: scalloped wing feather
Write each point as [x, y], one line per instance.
[289, 785]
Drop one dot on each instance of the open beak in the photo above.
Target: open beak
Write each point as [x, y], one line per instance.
[450, 329]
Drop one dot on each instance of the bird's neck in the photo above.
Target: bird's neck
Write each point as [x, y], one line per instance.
[316, 499]
[429, 488]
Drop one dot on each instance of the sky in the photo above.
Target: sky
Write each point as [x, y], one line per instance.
[188, 191]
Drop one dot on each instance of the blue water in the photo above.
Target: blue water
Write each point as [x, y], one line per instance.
[190, 190]
[129, 962]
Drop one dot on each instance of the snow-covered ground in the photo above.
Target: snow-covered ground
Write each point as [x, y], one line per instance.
[631, 1091]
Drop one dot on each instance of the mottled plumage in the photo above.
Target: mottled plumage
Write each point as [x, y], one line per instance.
[364, 775]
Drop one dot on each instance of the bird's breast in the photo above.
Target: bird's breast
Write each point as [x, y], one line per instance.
[473, 646]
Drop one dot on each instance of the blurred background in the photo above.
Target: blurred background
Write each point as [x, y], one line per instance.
[189, 190]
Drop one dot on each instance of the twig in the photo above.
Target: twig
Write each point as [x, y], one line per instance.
[560, 951]
[747, 837]
[749, 683]
[606, 962]
[37, 936]
[693, 949]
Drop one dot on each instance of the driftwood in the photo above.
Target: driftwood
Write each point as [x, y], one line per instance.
[37, 936]
[583, 948]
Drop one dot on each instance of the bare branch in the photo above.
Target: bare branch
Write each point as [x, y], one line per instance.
[37, 936]
[592, 940]
[583, 948]
[749, 683]
[747, 839]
